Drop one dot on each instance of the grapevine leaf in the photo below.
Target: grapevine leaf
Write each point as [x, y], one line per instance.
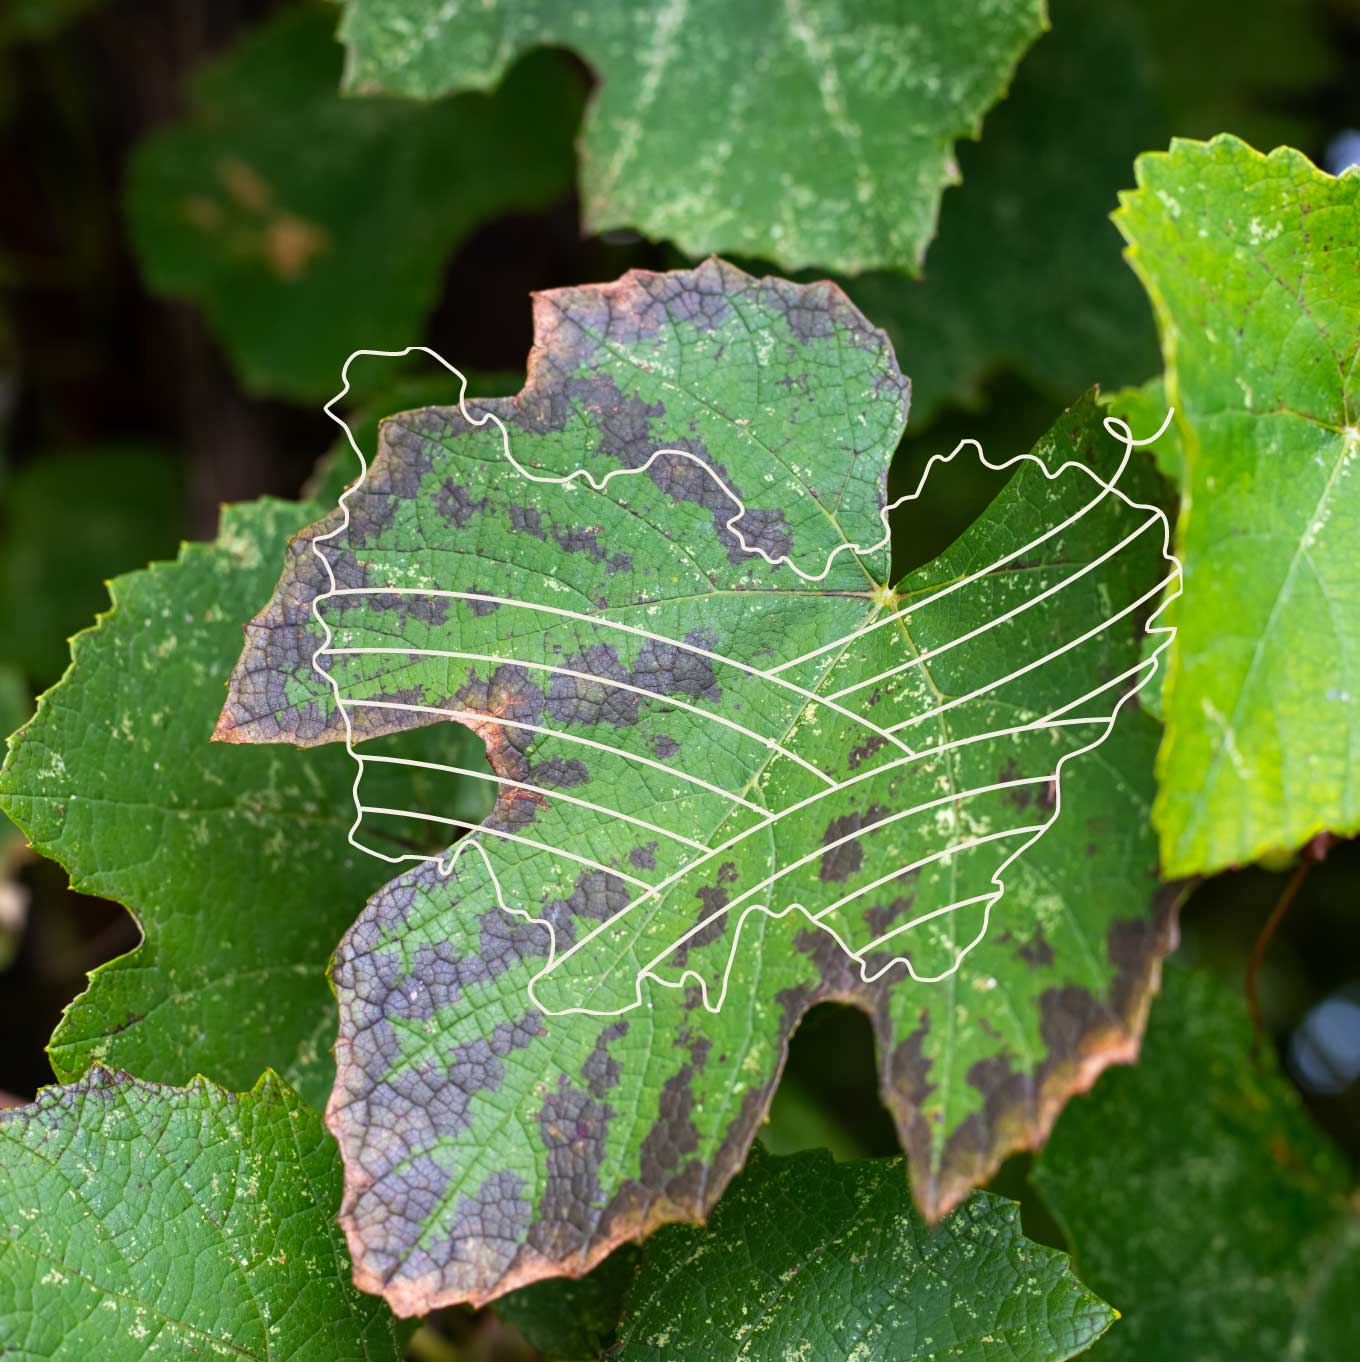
[1251, 264]
[233, 861]
[307, 225]
[631, 669]
[128, 503]
[806, 1257]
[804, 134]
[1223, 1141]
[1025, 274]
[140, 1222]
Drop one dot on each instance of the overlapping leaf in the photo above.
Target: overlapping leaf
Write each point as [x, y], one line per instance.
[234, 862]
[806, 1257]
[630, 653]
[1223, 1232]
[140, 1222]
[1251, 263]
[809, 134]
[1025, 272]
[307, 225]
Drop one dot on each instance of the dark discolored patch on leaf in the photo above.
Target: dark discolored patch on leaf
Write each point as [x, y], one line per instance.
[658, 679]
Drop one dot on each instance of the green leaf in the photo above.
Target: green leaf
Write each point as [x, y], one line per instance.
[805, 134]
[145, 1222]
[1251, 265]
[1202, 1201]
[307, 225]
[808, 1258]
[1025, 273]
[68, 521]
[234, 862]
[630, 667]
[573, 1320]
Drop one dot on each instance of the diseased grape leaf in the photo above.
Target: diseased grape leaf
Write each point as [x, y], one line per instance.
[807, 134]
[809, 1258]
[234, 862]
[1251, 263]
[307, 225]
[1227, 1231]
[143, 1222]
[506, 604]
[129, 505]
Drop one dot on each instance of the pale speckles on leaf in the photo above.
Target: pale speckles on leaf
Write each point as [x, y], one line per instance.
[807, 1259]
[769, 143]
[111, 1185]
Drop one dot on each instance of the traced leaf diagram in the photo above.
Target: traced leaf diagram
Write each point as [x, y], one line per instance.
[627, 661]
[891, 662]
[810, 132]
[234, 864]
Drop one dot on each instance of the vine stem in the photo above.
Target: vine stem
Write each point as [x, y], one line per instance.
[1312, 854]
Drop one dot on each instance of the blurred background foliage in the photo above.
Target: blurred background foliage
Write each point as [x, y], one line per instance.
[196, 228]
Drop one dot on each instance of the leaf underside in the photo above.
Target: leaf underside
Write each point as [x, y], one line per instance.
[770, 142]
[1251, 264]
[138, 1221]
[807, 1257]
[623, 657]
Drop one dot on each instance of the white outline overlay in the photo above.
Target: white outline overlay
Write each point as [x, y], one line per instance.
[1144, 671]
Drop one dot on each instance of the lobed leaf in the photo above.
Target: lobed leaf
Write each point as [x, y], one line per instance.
[139, 1222]
[307, 225]
[694, 839]
[808, 134]
[1223, 1232]
[1024, 274]
[234, 862]
[1251, 265]
[808, 1258]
